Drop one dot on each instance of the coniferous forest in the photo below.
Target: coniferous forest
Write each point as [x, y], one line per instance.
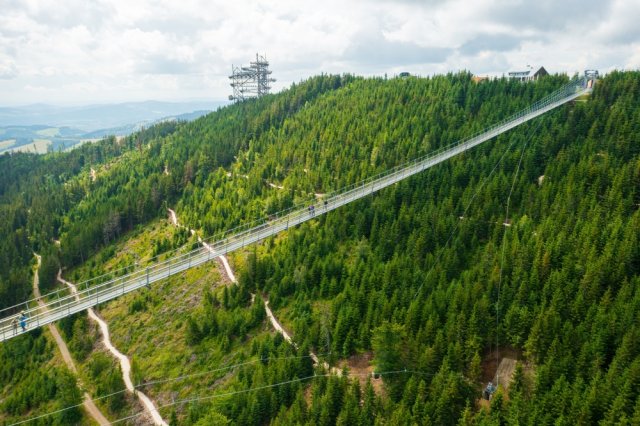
[427, 283]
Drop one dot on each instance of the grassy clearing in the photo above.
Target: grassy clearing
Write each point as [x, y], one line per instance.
[80, 143]
[39, 146]
[139, 246]
[149, 326]
[6, 144]
[130, 318]
[49, 132]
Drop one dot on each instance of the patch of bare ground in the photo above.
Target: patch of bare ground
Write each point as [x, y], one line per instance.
[490, 362]
[224, 278]
[308, 395]
[499, 370]
[360, 369]
[504, 375]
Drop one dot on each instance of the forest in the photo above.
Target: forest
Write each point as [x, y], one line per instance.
[430, 279]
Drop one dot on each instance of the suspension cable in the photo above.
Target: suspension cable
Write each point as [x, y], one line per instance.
[506, 225]
[272, 385]
[464, 213]
[173, 379]
[562, 92]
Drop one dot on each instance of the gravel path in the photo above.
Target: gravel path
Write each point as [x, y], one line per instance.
[125, 364]
[87, 402]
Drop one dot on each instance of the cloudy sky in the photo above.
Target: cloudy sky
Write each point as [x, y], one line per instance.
[98, 51]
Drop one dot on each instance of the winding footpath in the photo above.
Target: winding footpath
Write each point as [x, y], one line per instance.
[276, 324]
[272, 318]
[225, 263]
[280, 329]
[125, 364]
[87, 402]
[273, 185]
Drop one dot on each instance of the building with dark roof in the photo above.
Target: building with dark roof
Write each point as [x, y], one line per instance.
[529, 74]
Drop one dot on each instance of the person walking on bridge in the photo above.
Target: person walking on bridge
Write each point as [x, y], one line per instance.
[14, 323]
[23, 321]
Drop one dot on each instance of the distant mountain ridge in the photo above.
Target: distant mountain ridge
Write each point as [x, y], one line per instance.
[42, 128]
[90, 118]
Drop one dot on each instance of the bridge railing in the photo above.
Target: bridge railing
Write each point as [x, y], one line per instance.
[573, 86]
[65, 304]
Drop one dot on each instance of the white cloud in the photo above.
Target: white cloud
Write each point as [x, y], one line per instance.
[8, 70]
[116, 50]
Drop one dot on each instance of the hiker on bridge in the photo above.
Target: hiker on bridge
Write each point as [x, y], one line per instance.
[14, 324]
[23, 321]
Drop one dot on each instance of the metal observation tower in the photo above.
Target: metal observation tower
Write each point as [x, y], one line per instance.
[252, 81]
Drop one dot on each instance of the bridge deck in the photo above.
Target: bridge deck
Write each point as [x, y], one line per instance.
[108, 289]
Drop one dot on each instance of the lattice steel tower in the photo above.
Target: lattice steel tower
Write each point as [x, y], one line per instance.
[252, 81]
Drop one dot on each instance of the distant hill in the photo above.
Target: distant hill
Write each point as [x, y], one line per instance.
[129, 128]
[94, 117]
[30, 135]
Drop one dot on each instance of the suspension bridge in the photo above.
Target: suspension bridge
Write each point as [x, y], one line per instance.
[61, 304]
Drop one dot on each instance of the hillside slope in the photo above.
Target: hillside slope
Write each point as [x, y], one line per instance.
[423, 277]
